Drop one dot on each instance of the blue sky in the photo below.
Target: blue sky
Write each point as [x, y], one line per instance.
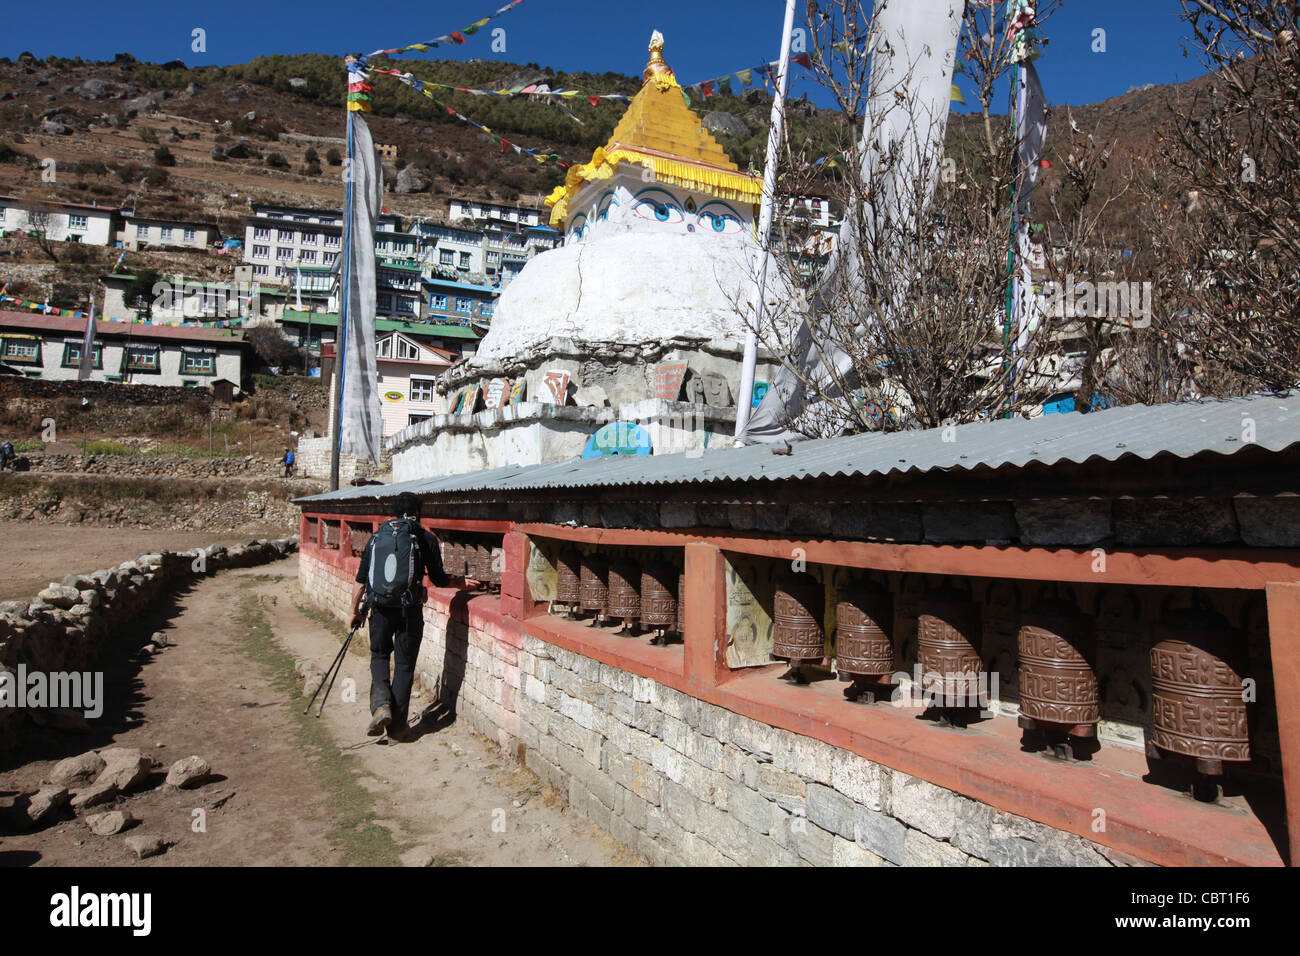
[705, 38]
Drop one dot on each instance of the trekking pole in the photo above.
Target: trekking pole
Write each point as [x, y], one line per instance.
[337, 665]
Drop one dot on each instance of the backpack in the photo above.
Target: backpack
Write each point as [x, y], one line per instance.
[288, 458]
[394, 552]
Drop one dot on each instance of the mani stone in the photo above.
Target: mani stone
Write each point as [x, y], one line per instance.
[188, 772]
[107, 824]
[126, 767]
[80, 769]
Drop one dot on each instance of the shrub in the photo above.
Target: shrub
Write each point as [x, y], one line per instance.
[277, 161]
[162, 156]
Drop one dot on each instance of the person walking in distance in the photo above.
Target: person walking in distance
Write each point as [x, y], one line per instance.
[394, 563]
[288, 462]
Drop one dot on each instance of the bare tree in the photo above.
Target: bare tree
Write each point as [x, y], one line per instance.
[909, 319]
[1238, 147]
[38, 227]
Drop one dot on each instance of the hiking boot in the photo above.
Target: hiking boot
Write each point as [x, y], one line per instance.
[379, 720]
[398, 731]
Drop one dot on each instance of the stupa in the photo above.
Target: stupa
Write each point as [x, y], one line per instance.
[639, 316]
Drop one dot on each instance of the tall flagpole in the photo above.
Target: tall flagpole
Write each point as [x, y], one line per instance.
[745, 400]
[340, 350]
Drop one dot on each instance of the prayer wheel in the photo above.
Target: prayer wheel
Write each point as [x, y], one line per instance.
[947, 631]
[567, 569]
[455, 563]
[496, 558]
[863, 649]
[593, 587]
[797, 620]
[624, 597]
[1058, 685]
[480, 563]
[1196, 689]
[658, 595]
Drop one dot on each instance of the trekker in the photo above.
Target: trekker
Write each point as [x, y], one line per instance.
[288, 463]
[393, 566]
[6, 454]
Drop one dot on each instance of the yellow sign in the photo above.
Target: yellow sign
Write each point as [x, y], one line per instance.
[394, 396]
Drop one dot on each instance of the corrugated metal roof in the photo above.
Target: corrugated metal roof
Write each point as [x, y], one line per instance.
[1180, 430]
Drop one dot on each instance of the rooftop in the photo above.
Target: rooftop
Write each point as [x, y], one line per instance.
[136, 330]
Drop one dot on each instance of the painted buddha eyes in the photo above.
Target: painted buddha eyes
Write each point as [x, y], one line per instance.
[724, 223]
[609, 203]
[658, 205]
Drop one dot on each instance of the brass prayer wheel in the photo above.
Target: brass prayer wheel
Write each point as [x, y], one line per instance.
[567, 569]
[1196, 689]
[480, 562]
[658, 595]
[947, 632]
[681, 604]
[496, 558]
[593, 587]
[1058, 685]
[797, 620]
[624, 598]
[863, 649]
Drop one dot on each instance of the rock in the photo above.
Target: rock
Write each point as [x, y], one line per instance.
[90, 598]
[190, 92]
[409, 181]
[73, 770]
[145, 845]
[158, 639]
[60, 595]
[46, 803]
[93, 795]
[188, 772]
[216, 153]
[729, 123]
[93, 89]
[79, 581]
[107, 824]
[297, 82]
[251, 116]
[125, 767]
[144, 104]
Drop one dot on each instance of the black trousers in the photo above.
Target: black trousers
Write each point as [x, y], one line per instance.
[397, 631]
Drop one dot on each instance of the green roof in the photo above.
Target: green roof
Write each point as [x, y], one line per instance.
[385, 325]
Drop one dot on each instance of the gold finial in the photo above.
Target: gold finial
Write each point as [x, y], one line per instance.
[656, 66]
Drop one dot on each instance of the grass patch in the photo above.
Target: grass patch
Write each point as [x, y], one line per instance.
[355, 830]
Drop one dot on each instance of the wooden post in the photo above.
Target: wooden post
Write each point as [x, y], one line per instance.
[1284, 647]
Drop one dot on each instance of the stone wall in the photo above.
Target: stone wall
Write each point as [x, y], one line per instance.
[158, 466]
[313, 461]
[67, 626]
[683, 781]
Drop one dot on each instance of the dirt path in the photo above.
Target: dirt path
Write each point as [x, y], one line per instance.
[292, 790]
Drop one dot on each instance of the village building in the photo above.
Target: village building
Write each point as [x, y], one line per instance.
[49, 347]
[490, 213]
[313, 330]
[155, 232]
[639, 317]
[90, 224]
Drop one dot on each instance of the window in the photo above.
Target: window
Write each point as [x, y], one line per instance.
[331, 240]
[464, 260]
[309, 239]
[485, 308]
[384, 348]
[284, 253]
[462, 305]
[261, 232]
[141, 358]
[198, 363]
[438, 302]
[77, 222]
[72, 355]
[284, 235]
[260, 270]
[384, 302]
[327, 258]
[279, 271]
[494, 257]
[190, 235]
[446, 257]
[23, 350]
[416, 419]
[167, 232]
[141, 232]
[307, 255]
[261, 252]
[406, 350]
[421, 389]
[405, 304]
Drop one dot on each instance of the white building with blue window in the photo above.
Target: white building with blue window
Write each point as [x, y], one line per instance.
[60, 221]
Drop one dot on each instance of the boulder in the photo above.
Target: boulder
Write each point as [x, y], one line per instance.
[189, 772]
[93, 795]
[144, 104]
[145, 845]
[409, 181]
[297, 82]
[60, 595]
[190, 92]
[729, 123]
[109, 823]
[125, 767]
[45, 803]
[73, 770]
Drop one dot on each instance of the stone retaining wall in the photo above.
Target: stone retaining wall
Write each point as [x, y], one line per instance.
[64, 628]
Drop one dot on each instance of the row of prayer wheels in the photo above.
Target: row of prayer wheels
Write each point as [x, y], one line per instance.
[621, 589]
[474, 557]
[1199, 710]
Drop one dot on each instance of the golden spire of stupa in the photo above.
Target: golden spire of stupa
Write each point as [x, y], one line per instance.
[656, 66]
